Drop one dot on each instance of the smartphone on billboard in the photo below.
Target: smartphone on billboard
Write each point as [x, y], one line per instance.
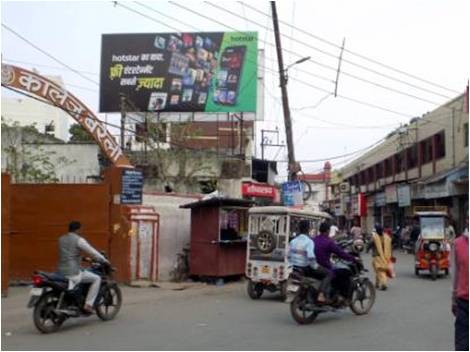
[227, 82]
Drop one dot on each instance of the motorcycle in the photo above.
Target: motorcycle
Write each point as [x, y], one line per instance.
[54, 303]
[349, 288]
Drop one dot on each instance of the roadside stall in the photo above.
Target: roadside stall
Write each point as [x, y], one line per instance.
[219, 229]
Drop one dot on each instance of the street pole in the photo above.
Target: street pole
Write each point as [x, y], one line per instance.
[123, 119]
[292, 166]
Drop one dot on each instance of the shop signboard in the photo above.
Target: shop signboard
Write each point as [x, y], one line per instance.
[179, 72]
[132, 182]
[292, 193]
[250, 189]
[391, 194]
[380, 199]
[404, 195]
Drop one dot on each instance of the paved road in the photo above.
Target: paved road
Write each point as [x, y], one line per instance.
[412, 315]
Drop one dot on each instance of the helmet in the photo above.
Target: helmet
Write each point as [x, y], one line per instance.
[358, 245]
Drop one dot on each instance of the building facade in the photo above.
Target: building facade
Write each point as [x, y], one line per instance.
[46, 118]
[422, 163]
[319, 184]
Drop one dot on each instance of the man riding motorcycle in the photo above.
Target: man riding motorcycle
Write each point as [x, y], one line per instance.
[301, 255]
[324, 248]
[70, 246]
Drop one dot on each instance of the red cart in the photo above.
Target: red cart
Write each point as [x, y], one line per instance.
[219, 229]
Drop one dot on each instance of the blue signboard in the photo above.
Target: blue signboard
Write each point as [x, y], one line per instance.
[131, 190]
[292, 193]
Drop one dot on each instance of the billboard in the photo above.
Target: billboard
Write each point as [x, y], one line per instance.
[180, 72]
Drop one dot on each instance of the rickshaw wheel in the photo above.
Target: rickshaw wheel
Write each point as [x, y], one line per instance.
[433, 271]
[416, 271]
[254, 290]
[283, 289]
[446, 272]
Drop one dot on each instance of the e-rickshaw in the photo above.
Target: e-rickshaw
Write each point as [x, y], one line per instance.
[432, 249]
[270, 230]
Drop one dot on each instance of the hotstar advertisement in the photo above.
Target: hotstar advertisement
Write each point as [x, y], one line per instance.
[179, 72]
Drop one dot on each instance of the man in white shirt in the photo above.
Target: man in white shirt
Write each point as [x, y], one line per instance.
[334, 230]
[302, 256]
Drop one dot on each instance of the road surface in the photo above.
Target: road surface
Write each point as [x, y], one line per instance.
[414, 314]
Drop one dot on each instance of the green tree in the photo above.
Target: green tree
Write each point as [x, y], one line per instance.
[79, 134]
[24, 155]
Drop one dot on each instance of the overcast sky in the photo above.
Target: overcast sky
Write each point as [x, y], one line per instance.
[425, 38]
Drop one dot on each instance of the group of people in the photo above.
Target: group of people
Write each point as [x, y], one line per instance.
[313, 257]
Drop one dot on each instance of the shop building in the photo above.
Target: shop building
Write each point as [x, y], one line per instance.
[422, 163]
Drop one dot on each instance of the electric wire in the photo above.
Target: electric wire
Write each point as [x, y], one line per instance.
[344, 60]
[48, 55]
[354, 53]
[358, 101]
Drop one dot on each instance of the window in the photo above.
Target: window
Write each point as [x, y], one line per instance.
[388, 167]
[426, 146]
[399, 162]
[412, 155]
[379, 170]
[440, 144]
[465, 137]
[362, 177]
[370, 174]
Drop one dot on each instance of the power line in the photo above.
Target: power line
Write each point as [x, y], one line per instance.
[47, 66]
[306, 83]
[345, 60]
[48, 55]
[199, 29]
[266, 68]
[355, 53]
[117, 3]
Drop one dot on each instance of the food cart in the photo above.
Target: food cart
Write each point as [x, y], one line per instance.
[219, 229]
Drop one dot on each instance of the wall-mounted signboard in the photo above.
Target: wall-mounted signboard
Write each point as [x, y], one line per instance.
[132, 183]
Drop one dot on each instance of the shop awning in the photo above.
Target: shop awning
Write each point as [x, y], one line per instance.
[218, 202]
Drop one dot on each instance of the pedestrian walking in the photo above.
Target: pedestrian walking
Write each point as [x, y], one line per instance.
[381, 256]
[334, 230]
[460, 291]
[356, 231]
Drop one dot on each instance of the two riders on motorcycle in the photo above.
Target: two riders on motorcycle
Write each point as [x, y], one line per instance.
[312, 257]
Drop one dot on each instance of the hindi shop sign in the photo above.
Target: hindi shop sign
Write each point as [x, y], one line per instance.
[132, 182]
[250, 189]
[293, 193]
[180, 72]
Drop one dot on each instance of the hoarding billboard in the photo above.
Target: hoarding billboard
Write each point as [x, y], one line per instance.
[180, 72]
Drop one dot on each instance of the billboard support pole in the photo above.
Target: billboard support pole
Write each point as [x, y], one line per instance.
[123, 119]
[293, 167]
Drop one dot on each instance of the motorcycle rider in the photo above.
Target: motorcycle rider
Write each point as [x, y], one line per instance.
[70, 246]
[302, 256]
[325, 247]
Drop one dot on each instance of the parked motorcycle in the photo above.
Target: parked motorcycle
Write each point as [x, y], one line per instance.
[349, 288]
[54, 303]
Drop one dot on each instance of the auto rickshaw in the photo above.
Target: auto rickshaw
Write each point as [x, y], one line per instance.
[270, 230]
[432, 250]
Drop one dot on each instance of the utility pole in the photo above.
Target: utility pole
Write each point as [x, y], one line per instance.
[123, 119]
[293, 167]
